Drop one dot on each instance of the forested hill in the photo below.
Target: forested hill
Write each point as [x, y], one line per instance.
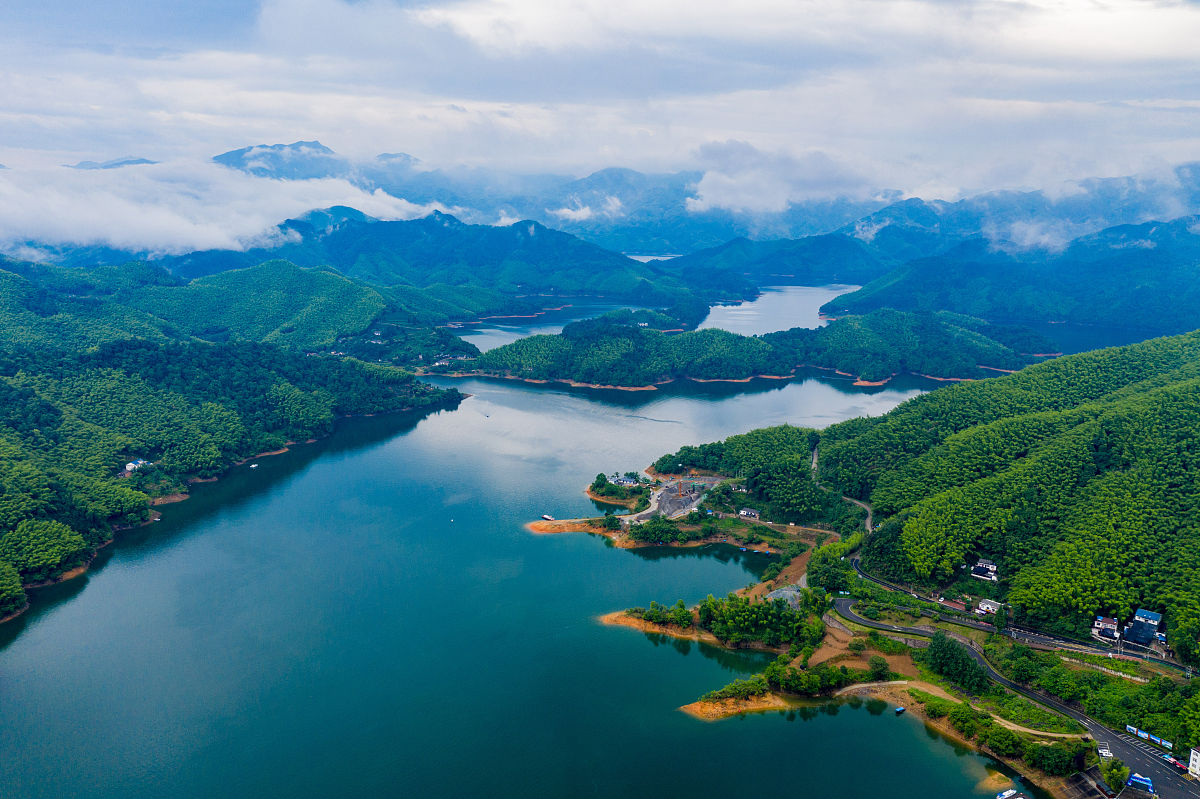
[524, 258]
[1080, 477]
[631, 350]
[810, 261]
[276, 302]
[103, 366]
[1141, 276]
[71, 420]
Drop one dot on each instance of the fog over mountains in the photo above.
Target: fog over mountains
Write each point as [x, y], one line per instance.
[134, 207]
[631, 211]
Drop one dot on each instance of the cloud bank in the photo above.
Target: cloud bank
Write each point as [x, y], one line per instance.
[167, 208]
[773, 99]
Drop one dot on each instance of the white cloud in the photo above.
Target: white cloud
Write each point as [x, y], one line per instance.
[930, 97]
[577, 214]
[739, 177]
[167, 208]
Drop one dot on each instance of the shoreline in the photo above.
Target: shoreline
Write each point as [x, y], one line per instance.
[621, 503]
[152, 502]
[621, 618]
[82, 568]
[620, 541]
[897, 696]
[713, 710]
[858, 380]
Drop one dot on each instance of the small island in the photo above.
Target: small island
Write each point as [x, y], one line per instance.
[645, 349]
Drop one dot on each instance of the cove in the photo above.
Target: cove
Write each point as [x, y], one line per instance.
[366, 615]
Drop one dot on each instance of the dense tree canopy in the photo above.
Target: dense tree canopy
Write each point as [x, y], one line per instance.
[1080, 477]
[628, 349]
[70, 421]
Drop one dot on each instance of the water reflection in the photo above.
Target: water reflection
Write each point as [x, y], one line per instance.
[739, 661]
[754, 562]
[237, 487]
[777, 308]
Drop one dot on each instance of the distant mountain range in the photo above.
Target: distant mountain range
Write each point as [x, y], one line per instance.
[1008, 256]
[636, 212]
[115, 163]
[621, 209]
[1141, 276]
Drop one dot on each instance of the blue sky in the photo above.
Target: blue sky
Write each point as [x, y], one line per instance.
[779, 98]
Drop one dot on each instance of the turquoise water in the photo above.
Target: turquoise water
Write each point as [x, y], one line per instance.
[367, 616]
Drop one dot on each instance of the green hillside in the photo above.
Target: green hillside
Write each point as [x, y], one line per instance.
[617, 350]
[1139, 276]
[309, 309]
[69, 422]
[809, 261]
[1079, 477]
[275, 302]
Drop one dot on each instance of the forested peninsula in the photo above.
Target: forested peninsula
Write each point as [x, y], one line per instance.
[645, 348]
[1078, 477]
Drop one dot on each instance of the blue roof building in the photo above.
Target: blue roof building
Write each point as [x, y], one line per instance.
[1144, 629]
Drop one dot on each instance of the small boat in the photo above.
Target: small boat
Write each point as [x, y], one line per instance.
[254, 466]
[1011, 793]
[899, 710]
[547, 517]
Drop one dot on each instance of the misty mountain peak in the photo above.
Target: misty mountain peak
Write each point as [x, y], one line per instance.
[115, 163]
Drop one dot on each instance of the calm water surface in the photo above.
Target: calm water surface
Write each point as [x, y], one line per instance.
[367, 616]
[777, 308]
[492, 333]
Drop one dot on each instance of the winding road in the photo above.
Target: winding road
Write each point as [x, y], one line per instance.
[1137, 755]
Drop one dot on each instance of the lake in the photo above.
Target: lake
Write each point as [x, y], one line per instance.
[367, 615]
[488, 334]
[777, 308]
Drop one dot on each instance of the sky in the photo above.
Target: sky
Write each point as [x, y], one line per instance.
[775, 99]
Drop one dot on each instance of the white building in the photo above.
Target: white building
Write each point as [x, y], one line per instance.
[988, 606]
[1194, 764]
[985, 570]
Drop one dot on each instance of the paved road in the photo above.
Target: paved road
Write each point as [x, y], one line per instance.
[1014, 631]
[667, 502]
[1022, 634]
[1139, 756]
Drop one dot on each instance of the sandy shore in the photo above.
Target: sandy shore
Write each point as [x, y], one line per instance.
[621, 618]
[544, 527]
[78, 571]
[725, 708]
[622, 541]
